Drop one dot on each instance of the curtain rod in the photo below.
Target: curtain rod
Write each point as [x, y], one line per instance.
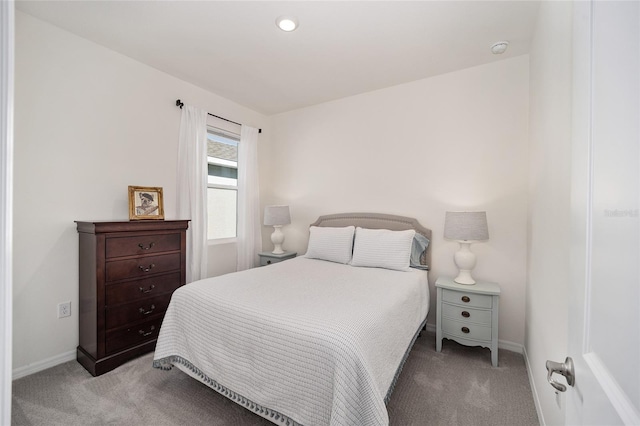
[181, 104]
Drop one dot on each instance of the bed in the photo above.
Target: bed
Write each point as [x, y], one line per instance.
[316, 340]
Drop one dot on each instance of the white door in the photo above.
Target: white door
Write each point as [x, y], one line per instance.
[604, 307]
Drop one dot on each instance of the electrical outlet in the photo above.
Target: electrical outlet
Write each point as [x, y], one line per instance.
[64, 309]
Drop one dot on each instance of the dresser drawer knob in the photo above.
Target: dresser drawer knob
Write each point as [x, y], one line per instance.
[143, 311]
[151, 287]
[465, 330]
[142, 246]
[147, 333]
[466, 314]
[146, 268]
[465, 299]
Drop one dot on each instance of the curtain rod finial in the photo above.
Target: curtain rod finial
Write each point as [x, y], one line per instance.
[179, 104]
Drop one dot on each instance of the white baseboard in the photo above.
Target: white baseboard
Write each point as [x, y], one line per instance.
[534, 391]
[510, 346]
[43, 365]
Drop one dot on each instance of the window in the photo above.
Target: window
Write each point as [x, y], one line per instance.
[222, 188]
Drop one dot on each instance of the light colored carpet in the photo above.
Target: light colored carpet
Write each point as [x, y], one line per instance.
[455, 387]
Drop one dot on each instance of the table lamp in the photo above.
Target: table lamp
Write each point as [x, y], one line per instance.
[466, 228]
[277, 216]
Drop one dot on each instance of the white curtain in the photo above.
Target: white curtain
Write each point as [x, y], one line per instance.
[192, 188]
[249, 230]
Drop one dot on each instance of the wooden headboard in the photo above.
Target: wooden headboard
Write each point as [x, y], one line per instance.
[377, 221]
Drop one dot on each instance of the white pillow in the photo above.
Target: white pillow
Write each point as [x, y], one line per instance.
[332, 244]
[382, 248]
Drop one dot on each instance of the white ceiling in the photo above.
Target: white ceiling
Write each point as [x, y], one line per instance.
[341, 48]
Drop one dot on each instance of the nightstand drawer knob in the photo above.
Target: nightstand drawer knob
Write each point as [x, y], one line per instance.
[151, 244]
[268, 262]
[465, 329]
[466, 314]
[466, 299]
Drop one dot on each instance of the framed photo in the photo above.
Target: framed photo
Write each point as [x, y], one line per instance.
[145, 203]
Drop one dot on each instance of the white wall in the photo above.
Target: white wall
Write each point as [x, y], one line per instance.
[452, 142]
[88, 123]
[7, 70]
[549, 206]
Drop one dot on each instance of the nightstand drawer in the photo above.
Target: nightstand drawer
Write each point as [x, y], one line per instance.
[467, 330]
[466, 314]
[264, 261]
[467, 299]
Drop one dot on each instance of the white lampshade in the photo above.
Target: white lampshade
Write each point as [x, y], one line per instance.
[277, 215]
[466, 228]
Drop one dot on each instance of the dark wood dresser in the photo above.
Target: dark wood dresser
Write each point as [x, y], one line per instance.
[128, 271]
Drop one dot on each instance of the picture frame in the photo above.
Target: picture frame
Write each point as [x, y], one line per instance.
[145, 203]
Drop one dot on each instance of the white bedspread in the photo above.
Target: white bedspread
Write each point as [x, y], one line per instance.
[315, 341]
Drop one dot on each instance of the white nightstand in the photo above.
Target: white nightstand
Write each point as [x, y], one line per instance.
[468, 314]
[267, 258]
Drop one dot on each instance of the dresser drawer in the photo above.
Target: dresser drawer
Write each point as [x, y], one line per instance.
[136, 311]
[467, 299]
[467, 330]
[142, 266]
[131, 291]
[122, 338]
[466, 314]
[142, 244]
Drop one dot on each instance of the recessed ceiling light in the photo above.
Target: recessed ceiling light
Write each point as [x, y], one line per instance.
[287, 23]
[499, 47]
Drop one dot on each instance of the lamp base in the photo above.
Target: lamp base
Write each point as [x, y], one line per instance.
[464, 277]
[465, 260]
[277, 238]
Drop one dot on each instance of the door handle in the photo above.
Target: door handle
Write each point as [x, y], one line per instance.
[566, 369]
